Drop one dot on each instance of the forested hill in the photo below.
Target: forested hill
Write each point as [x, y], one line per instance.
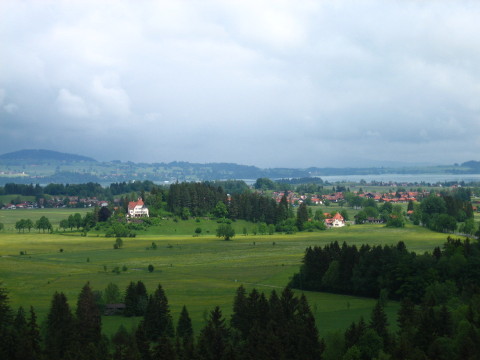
[40, 156]
[46, 166]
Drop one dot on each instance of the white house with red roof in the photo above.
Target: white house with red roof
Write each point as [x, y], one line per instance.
[335, 221]
[137, 209]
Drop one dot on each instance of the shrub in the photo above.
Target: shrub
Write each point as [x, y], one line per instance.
[150, 268]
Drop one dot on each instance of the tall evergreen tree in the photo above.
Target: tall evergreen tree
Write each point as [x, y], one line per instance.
[184, 325]
[184, 342]
[89, 328]
[302, 216]
[214, 339]
[141, 298]
[130, 300]
[6, 322]
[21, 335]
[158, 321]
[59, 337]
[142, 342]
[34, 338]
[379, 323]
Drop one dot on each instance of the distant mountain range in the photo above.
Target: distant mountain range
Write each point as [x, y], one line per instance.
[43, 156]
[46, 166]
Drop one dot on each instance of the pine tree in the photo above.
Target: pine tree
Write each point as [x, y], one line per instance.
[239, 318]
[143, 344]
[302, 216]
[6, 323]
[33, 334]
[88, 317]
[379, 323]
[308, 345]
[158, 321]
[214, 339]
[130, 300]
[22, 349]
[59, 336]
[141, 299]
[184, 325]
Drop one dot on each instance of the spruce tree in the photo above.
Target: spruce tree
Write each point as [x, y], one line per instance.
[21, 335]
[308, 345]
[34, 338]
[379, 323]
[184, 342]
[158, 321]
[130, 300]
[141, 299]
[6, 326]
[59, 337]
[142, 342]
[214, 339]
[239, 319]
[89, 322]
[184, 325]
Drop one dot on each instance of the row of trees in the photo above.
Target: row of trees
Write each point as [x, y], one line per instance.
[41, 224]
[278, 327]
[393, 270]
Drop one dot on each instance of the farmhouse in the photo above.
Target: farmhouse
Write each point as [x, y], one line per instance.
[137, 209]
[336, 221]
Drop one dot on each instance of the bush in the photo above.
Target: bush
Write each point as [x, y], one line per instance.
[150, 268]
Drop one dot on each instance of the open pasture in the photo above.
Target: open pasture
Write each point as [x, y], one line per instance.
[10, 217]
[200, 272]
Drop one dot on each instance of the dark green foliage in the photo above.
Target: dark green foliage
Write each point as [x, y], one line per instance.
[88, 324]
[7, 348]
[136, 298]
[43, 224]
[104, 214]
[368, 270]
[59, 337]
[226, 231]
[302, 216]
[158, 321]
[124, 345]
[164, 349]
[184, 325]
[214, 339]
[264, 184]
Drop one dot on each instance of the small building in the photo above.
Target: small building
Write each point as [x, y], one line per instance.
[137, 209]
[114, 309]
[336, 221]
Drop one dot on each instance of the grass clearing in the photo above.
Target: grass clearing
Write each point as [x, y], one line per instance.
[200, 272]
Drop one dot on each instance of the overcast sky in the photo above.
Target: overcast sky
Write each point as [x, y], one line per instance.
[266, 83]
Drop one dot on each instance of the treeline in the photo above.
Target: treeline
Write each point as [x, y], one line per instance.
[391, 270]
[89, 189]
[202, 199]
[278, 327]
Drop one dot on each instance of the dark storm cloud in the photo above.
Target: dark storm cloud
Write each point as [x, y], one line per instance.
[269, 83]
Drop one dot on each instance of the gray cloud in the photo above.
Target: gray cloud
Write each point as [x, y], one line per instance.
[268, 83]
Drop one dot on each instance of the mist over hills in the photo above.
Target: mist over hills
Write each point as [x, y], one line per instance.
[47, 166]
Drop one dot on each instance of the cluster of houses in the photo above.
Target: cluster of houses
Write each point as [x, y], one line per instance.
[395, 197]
[58, 202]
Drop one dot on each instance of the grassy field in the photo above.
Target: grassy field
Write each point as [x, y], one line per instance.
[200, 272]
[10, 217]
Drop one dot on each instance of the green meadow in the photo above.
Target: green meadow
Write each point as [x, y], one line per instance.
[200, 272]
